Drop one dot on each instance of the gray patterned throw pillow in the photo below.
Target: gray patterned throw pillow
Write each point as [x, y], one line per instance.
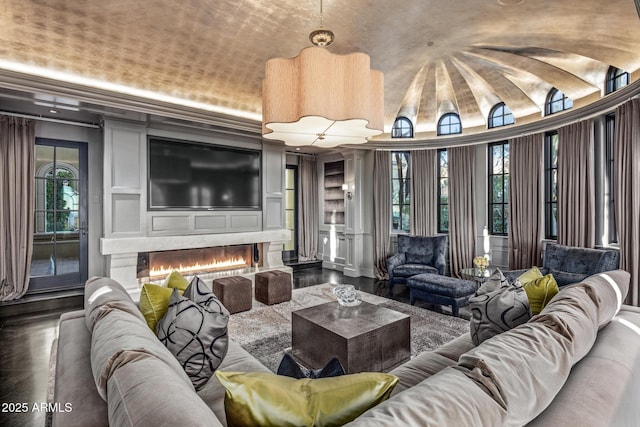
[497, 307]
[195, 331]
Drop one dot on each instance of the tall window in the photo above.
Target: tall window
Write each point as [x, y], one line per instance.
[557, 101]
[610, 124]
[500, 115]
[402, 128]
[551, 185]
[400, 191]
[499, 188]
[443, 191]
[449, 124]
[616, 78]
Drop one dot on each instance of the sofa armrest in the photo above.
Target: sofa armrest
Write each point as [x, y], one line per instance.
[395, 261]
[74, 383]
[441, 264]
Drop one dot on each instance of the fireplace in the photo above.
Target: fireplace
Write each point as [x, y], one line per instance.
[154, 266]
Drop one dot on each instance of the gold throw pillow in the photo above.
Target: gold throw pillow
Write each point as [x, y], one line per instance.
[266, 399]
[540, 291]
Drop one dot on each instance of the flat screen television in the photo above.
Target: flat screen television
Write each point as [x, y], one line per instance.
[195, 176]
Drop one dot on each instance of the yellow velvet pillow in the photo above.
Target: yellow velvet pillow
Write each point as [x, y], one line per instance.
[532, 274]
[266, 399]
[176, 280]
[540, 291]
[154, 302]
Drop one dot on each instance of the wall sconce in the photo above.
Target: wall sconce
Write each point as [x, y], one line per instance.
[345, 188]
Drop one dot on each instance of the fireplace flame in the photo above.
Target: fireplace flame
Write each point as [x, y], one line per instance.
[197, 267]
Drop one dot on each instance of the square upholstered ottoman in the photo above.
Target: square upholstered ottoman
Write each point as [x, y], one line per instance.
[234, 292]
[273, 287]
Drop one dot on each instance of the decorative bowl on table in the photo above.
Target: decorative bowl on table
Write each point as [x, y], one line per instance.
[347, 295]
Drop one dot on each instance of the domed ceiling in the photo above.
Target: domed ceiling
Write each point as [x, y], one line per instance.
[437, 56]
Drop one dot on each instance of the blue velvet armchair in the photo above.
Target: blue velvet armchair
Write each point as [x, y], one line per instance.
[417, 255]
[570, 264]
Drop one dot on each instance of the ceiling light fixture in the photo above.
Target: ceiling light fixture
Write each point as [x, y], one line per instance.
[321, 99]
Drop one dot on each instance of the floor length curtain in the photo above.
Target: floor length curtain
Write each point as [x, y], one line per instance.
[462, 217]
[308, 209]
[576, 187]
[424, 192]
[381, 211]
[525, 201]
[627, 192]
[17, 163]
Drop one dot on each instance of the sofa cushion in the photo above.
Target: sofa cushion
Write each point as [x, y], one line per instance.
[448, 398]
[540, 291]
[497, 307]
[74, 383]
[601, 387]
[408, 270]
[251, 398]
[119, 338]
[132, 401]
[101, 295]
[195, 331]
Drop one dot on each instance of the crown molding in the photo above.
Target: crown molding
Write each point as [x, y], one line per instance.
[90, 95]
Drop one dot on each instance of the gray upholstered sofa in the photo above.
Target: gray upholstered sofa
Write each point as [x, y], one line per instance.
[571, 264]
[577, 363]
[417, 255]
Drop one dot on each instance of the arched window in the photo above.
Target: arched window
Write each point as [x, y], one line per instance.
[500, 115]
[449, 124]
[616, 78]
[557, 101]
[402, 128]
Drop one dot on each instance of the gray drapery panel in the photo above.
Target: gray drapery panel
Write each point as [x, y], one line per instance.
[424, 192]
[381, 211]
[462, 217]
[525, 201]
[576, 187]
[308, 209]
[626, 156]
[17, 170]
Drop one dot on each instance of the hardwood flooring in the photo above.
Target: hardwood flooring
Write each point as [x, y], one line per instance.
[25, 343]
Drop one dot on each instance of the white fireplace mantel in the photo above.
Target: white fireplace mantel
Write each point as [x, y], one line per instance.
[122, 252]
[123, 245]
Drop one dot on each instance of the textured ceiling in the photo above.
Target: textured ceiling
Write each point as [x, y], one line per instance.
[437, 56]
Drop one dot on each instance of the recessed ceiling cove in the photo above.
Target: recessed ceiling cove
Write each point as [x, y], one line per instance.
[463, 56]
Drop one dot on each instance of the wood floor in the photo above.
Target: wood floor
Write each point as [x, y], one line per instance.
[25, 344]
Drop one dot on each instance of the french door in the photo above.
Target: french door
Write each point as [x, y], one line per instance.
[59, 259]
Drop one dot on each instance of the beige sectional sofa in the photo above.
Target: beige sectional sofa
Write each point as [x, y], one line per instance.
[575, 364]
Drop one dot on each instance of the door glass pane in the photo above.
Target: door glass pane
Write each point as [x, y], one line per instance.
[56, 240]
[43, 258]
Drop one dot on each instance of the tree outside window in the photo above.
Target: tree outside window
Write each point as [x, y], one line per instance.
[443, 191]
[551, 185]
[499, 188]
[400, 191]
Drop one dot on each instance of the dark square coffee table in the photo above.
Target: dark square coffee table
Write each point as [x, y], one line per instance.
[365, 338]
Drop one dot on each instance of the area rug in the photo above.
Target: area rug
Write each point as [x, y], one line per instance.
[265, 331]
